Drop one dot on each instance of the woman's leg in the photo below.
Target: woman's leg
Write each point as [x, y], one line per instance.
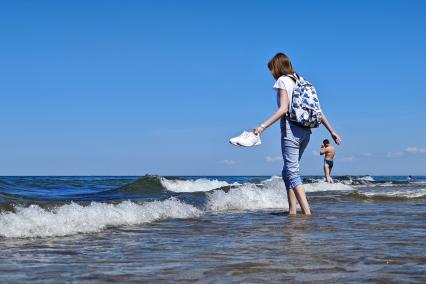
[291, 198]
[293, 143]
[292, 206]
[291, 176]
[300, 194]
[299, 189]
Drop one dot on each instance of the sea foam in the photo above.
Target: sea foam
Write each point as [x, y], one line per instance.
[270, 194]
[404, 193]
[35, 221]
[366, 178]
[192, 185]
[247, 197]
[325, 186]
[317, 186]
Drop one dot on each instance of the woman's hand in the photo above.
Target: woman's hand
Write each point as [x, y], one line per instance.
[333, 134]
[258, 130]
[336, 138]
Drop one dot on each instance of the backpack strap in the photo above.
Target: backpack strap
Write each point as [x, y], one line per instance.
[294, 78]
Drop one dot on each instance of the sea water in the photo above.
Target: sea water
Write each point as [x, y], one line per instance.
[211, 229]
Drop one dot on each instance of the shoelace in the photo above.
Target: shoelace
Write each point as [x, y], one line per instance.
[250, 135]
[245, 134]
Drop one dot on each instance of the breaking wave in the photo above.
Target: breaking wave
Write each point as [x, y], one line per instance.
[270, 194]
[392, 194]
[151, 198]
[356, 180]
[34, 221]
[366, 178]
[247, 197]
[325, 186]
[156, 184]
[313, 186]
[192, 185]
[145, 184]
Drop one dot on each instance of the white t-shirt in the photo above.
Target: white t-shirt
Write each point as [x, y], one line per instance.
[287, 84]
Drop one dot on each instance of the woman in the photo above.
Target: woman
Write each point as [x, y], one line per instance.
[294, 138]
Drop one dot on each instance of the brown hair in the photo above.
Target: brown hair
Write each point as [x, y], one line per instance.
[280, 65]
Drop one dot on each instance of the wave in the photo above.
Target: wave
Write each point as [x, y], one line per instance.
[34, 221]
[325, 186]
[156, 184]
[401, 182]
[58, 182]
[366, 178]
[348, 180]
[193, 185]
[316, 185]
[355, 180]
[144, 188]
[152, 198]
[270, 194]
[247, 197]
[370, 181]
[9, 202]
[69, 219]
[145, 184]
[392, 194]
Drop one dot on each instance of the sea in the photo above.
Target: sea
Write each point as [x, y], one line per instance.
[211, 229]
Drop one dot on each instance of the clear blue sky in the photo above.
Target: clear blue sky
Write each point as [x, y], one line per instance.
[136, 87]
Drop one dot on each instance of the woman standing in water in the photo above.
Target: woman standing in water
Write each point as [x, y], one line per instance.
[294, 138]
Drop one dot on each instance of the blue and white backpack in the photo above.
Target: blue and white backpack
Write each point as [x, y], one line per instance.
[305, 108]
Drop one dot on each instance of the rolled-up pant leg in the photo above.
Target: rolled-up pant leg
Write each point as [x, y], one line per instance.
[294, 141]
[291, 155]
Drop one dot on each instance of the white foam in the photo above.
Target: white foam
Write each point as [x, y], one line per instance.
[318, 186]
[325, 186]
[192, 185]
[366, 178]
[387, 184]
[247, 197]
[71, 219]
[405, 193]
[274, 182]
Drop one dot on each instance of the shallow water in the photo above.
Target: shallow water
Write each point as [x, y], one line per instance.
[360, 232]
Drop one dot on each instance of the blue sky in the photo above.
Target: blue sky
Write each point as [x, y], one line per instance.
[136, 87]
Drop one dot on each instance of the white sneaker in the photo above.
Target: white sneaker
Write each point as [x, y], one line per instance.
[234, 140]
[246, 139]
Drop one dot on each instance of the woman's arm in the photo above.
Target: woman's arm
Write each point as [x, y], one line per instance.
[277, 115]
[333, 134]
